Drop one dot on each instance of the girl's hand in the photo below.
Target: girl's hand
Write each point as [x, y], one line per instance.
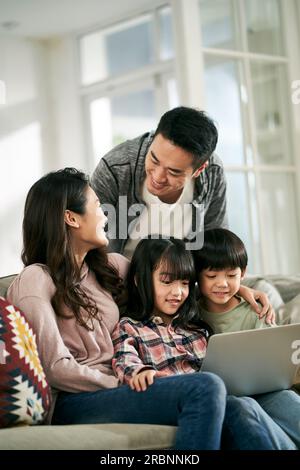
[262, 307]
[141, 381]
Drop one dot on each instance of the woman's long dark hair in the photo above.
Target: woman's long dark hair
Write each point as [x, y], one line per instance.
[46, 240]
[149, 254]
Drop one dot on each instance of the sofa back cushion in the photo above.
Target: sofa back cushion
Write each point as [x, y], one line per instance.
[290, 313]
[261, 284]
[24, 392]
[288, 286]
[5, 282]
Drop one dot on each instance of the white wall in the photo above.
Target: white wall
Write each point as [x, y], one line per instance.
[40, 128]
[21, 147]
[65, 104]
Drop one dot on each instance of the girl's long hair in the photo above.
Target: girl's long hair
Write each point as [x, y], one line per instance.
[46, 240]
[149, 254]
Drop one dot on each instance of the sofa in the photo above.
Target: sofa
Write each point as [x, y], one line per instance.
[284, 293]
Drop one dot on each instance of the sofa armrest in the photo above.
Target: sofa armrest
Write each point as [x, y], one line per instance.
[5, 282]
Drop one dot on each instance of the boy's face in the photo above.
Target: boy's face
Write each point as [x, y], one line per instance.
[219, 287]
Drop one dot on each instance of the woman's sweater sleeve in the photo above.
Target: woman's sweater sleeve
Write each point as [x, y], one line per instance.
[62, 370]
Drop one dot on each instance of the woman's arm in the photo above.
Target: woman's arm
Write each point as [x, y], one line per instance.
[61, 368]
[262, 307]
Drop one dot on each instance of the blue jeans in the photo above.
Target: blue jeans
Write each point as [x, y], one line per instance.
[248, 427]
[195, 403]
[284, 408]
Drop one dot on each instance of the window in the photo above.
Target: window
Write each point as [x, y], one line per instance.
[232, 60]
[247, 93]
[264, 27]
[219, 29]
[120, 117]
[113, 51]
[127, 79]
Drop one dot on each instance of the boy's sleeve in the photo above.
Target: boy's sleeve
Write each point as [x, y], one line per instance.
[260, 323]
[127, 361]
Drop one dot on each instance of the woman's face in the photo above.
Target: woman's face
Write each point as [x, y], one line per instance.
[169, 295]
[92, 222]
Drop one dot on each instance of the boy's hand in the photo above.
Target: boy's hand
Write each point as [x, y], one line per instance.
[260, 303]
[140, 382]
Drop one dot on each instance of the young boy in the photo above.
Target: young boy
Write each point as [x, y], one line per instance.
[220, 266]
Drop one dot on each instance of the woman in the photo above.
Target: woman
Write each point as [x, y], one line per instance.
[69, 291]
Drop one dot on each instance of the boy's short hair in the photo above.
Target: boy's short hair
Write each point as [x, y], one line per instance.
[222, 249]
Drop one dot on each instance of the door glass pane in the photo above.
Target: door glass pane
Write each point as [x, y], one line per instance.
[218, 24]
[223, 103]
[114, 50]
[173, 98]
[264, 28]
[269, 86]
[279, 213]
[166, 33]
[121, 117]
[239, 214]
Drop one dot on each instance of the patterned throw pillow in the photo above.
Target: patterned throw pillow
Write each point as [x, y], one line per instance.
[24, 391]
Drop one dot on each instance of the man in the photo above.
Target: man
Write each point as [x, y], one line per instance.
[170, 180]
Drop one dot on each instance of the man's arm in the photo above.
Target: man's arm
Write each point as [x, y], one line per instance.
[105, 183]
[216, 212]
[260, 303]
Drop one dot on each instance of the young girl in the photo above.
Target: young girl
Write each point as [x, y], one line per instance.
[70, 290]
[164, 338]
[221, 265]
[171, 337]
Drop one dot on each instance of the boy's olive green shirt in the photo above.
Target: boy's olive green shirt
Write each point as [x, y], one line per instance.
[241, 317]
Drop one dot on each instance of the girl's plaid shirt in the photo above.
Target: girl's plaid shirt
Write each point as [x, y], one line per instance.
[152, 344]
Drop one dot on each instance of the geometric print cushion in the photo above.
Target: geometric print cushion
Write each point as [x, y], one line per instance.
[24, 392]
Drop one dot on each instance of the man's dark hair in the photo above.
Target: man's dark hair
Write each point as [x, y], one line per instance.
[221, 249]
[190, 129]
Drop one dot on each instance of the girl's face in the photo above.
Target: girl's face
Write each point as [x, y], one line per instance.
[92, 222]
[169, 295]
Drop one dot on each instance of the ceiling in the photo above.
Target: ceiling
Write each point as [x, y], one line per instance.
[47, 18]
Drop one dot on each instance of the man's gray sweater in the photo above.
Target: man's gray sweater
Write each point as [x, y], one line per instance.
[121, 172]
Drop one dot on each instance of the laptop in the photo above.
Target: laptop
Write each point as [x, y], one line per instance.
[255, 361]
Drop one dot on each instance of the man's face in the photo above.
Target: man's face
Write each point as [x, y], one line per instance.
[168, 168]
